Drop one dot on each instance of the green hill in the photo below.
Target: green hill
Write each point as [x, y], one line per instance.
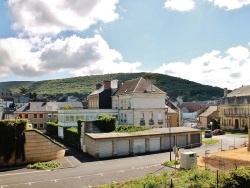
[83, 85]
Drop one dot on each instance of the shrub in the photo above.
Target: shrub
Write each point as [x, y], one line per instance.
[71, 135]
[52, 128]
[105, 123]
[44, 165]
[239, 177]
[130, 128]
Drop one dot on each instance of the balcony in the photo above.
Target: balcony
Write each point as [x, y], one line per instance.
[151, 122]
[160, 121]
[142, 122]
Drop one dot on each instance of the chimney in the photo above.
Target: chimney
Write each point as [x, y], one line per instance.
[225, 92]
[97, 86]
[149, 86]
[119, 83]
[107, 84]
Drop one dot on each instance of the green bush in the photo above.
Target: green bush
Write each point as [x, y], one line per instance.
[44, 165]
[105, 123]
[52, 128]
[130, 128]
[71, 135]
[237, 178]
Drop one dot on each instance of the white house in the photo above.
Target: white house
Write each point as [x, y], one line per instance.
[139, 102]
[69, 118]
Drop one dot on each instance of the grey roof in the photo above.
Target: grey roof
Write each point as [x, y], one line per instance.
[48, 106]
[242, 91]
[156, 131]
[137, 85]
[209, 111]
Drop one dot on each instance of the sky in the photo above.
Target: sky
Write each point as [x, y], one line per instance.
[205, 41]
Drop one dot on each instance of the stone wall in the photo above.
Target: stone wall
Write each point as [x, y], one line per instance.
[38, 148]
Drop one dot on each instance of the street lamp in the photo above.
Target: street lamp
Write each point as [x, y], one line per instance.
[169, 126]
[211, 125]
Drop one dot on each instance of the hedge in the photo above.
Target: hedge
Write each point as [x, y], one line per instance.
[71, 135]
[52, 128]
[12, 139]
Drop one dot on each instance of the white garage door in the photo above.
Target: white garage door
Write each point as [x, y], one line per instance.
[105, 149]
[122, 147]
[182, 141]
[154, 144]
[167, 142]
[139, 146]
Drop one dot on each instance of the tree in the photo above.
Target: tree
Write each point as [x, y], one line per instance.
[23, 90]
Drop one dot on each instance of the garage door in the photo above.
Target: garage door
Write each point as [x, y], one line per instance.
[105, 149]
[167, 142]
[122, 147]
[182, 141]
[154, 144]
[195, 139]
[139, 146]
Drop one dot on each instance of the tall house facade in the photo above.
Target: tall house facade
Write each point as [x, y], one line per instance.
[235, 109]
[139, 102]
[101, 97]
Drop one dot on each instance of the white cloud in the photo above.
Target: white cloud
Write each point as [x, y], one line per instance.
[180, 5]
[41, 17]
[231, 4]
[229, 69]
[73, 54]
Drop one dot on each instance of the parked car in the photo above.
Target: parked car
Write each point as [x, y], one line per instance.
[218, 132]
[208, 133]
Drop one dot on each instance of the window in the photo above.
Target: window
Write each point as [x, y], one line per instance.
[121, 117]
[142, 120]
[35, 125]
[121, 104]
[67, 118]
[41, 126]
[40, 115]
[125, 118]
[35, 115]
[49, 115]
[26, 116]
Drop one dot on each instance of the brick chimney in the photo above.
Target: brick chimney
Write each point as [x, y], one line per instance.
[225, 92]
[107, 84]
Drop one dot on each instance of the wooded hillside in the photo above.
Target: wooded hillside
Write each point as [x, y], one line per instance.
[84, 85]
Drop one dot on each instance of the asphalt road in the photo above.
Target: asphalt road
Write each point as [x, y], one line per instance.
[83, 171]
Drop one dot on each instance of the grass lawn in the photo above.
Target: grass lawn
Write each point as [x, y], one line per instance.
[210, 141]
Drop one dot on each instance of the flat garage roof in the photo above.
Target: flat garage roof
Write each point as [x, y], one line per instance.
[154, 131]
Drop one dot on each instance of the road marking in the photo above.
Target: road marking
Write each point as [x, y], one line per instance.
[24, 173]
[69, 162]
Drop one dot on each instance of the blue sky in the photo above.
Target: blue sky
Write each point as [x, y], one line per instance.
[205, 41]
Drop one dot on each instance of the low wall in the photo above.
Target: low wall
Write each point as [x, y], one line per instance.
[37, 148]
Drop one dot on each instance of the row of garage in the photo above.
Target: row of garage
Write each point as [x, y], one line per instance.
[103, 145]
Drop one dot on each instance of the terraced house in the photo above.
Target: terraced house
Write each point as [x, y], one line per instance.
[235, 109]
